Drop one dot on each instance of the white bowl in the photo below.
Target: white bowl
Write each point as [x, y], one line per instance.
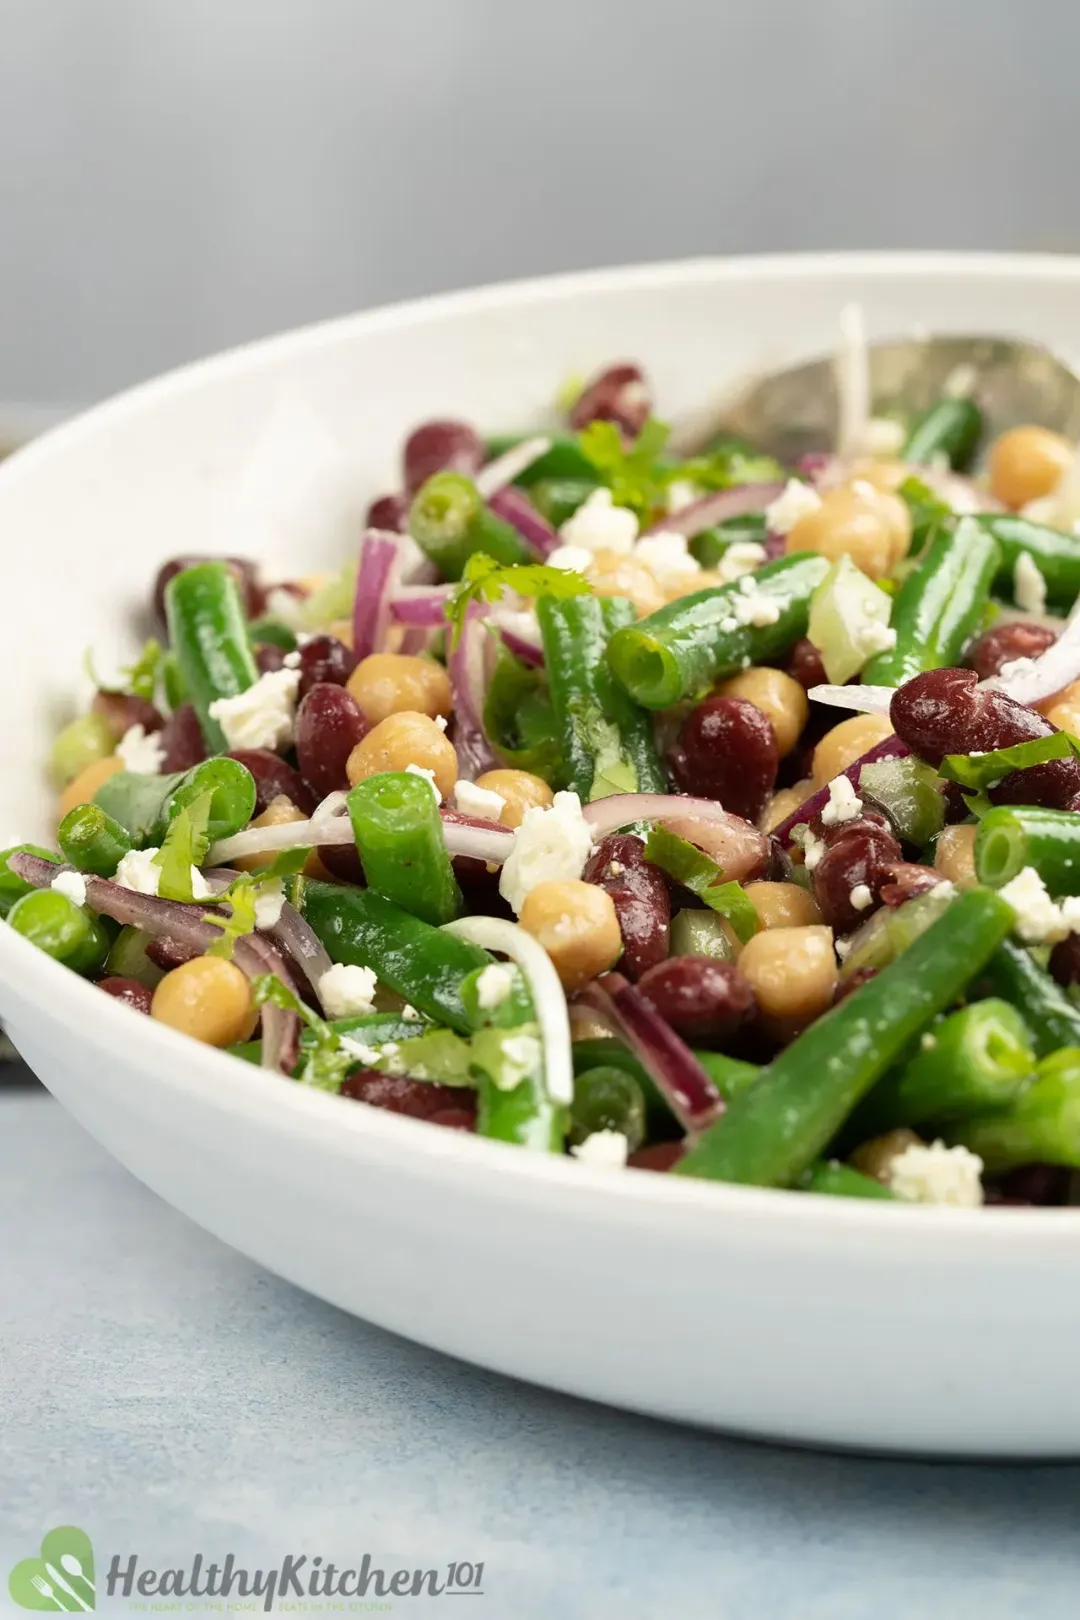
[809, 1319]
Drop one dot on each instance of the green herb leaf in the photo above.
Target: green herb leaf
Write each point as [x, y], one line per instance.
[325, 1063]
[984, 770]
[729, 462]
[139, 679]
[185, 846]
[699, 873]
[241, 897]
[520, 722]
[635, 476]
[928, 511]
[484, 580]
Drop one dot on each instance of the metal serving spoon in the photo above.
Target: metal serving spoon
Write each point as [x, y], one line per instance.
[793, 412]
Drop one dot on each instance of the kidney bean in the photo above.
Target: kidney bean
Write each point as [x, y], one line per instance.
[805, 665]
[129, 991]
[1032, 1184]
[861, 856]
[660, 1156]
[418, 1099]
[120, 712]
[907, 879]
[342, 862]
[740, 849]
[329, 725]
[324, 659]
[641, 896]
[620, 395]
[1007, 642]
[274, 778]
[1054, 784]
[700, 998]
[268, 657]
[846, 987]
[1065, 960]
[726, 750]
[956, 808]
[946, 711]
[182, 740]
[244, 571]
[170, 953]
[389, 512]
[440, 447]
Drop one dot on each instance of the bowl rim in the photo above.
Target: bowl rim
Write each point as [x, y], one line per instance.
[56, 996]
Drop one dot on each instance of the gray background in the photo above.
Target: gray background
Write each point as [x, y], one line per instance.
[177, 175]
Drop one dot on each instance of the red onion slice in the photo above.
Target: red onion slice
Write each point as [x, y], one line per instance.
[526, 652]
[465, 668]
[1029, 680]
[423, 606]
[515, 508]
[497, 474]
[302, 945]
[620, 809]
[717, 508]
[690, 1093]
[464, 835]
[375, 580]
[861, 699]
[888, 748]
[548, 997]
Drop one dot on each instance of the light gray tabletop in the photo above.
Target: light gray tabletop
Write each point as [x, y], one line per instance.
[170, 1397]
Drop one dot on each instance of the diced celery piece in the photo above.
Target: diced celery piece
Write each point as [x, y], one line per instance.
[702, 933]
[909, 791]
[848, 614]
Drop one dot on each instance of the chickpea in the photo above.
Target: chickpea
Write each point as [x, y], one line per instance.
[875, 1158]
[781, 699]
[86, 784]
[706, 579]
[278, 813]
[1064, 710]
[521, 790]
[576, 924]
[390, 683]
[954, 856]
[1027, 462]
[342, 629]
[208, 998]
[783, 905]
[585, 1026]
[884, 474]
[614, 574]
[849, 524]
[401, 740]
[783, 803]
[792, 971]
[895, 512]
[846, 743]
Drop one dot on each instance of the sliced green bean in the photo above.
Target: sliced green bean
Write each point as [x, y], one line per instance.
[565, 459]
[711, 545]
[63, 930]
[939, 606]
[1041, 1125]
[13, 887]
[1011, 837]
[507, 1058]
[838, 1180]
[702, 933]
[951, 428]
[209, 635]
[145, 806]
[1056, 554]
[399, 837]
[608, 1099]
[92, 840]
[449, 521]
[1051, 1017]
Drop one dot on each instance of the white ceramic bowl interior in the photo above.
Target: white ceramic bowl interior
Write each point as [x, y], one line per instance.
[814, 1320]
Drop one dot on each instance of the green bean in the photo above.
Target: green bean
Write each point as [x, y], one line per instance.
[607, 740]
[209, 636]
[421, 963]
[128, 959]
[701, 933]
[980, 1057]
[564, 460]
[1041, 1126]
[787, 1118]
[729, 1075]
[81, 743]
[840, 1181]
[449, 521]
[710, 546]
[1057, 555]
[271, 633]
[507, 1056]
[1011, 837]
[951, 427]
[1050, 1016]
[145, 806]
[13, 887]
[63, 930]
[172, 681]
[679, 651]
[558, 499]
[608, 1098]
[399, 837]
[92, 840]
[520, 721]
[939, 606]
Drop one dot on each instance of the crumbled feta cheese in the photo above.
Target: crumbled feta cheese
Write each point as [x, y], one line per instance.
[269, 903]
[844, 803]
[285, 608]
[729, 624]
[608, 1150]
[681, 492]
[883, 437]
[551, 845]
[441, 721]
[261, 717]
[615, 869]
[812, 846]
[739, 560]
[668, 556]
[477, 801]
[138, 872]
[410, 1013]
[600, 525]
[428, 776]
[140, 751]
[72, 885]
[493, 985]
[1038, 920]
[575, 559]
[759, 610]
[522, 1055]
[863, 489]
[369, 1056]
[1041, 510]
[347, 991]
[797, 501]
[937, 1175]
[871, 636]
[1029, 586]
[861, 897]
[292, 659]
[843, 948]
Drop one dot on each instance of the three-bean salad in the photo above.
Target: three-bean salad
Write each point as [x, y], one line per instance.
[690, 813]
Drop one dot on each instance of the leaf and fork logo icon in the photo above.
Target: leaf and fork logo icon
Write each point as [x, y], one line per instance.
[61, 1578]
